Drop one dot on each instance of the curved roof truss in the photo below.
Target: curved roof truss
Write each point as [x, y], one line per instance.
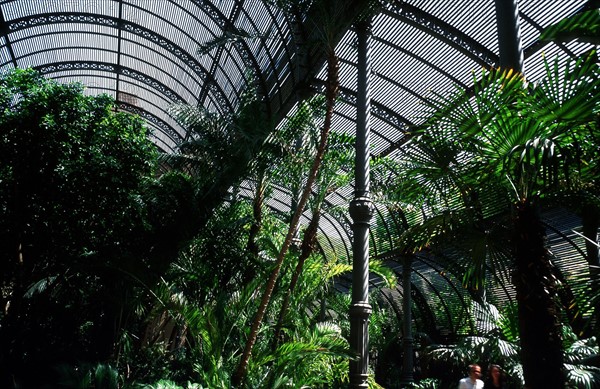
[151, 54]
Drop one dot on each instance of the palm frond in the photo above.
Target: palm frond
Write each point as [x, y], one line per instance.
[433, 229]
[581, 349]
[39, 286]
[584, 26]
[568, 93]
[312, 356]
[387, 275]
[581, 376]
[231, 35]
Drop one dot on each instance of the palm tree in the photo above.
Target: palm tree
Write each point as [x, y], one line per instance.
[494, 342]
[328, 20]
[339, 157]
[498, 342]
[220, 150]
[584, 26]
[530, 137]
[331, 18]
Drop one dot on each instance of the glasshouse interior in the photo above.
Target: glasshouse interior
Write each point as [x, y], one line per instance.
[299, 194]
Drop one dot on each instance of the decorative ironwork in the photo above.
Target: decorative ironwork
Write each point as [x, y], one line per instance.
[106, 67]
[385, 114]
[440, 28]
[76, 65]
[152, 83]
[361, 210]
[213, 12]
[29, 22]
[99, 66]
[205, 77]
[347, 96]
[159, 123]
[378, 110]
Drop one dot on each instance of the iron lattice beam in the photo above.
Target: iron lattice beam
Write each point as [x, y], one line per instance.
[436, 27]
[205, 77]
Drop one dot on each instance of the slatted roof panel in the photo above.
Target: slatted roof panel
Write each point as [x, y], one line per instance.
[156, 43]
[417, 46]
[149, 54]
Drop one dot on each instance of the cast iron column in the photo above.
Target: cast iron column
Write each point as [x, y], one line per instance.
[509, 34]
[361, 211]
[407, 340]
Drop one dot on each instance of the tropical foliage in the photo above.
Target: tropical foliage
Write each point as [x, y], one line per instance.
[119, 274]
[72, 218]
[474, 177]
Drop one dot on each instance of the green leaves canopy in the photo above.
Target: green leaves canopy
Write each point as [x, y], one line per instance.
[72, 170]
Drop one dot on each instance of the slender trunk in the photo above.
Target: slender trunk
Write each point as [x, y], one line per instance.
[569, 303]
[331, 93]
[251, 246]
[540, 331]
[308, 246]
[259, 197]
[590, 220]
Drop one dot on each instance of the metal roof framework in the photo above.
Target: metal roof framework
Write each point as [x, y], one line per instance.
[148, 55]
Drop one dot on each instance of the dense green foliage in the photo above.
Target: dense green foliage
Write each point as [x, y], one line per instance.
[111, 278]
[79, 218]
[476, 176]
[114, 275]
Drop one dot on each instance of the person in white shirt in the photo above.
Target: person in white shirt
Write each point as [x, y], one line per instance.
[472, 381]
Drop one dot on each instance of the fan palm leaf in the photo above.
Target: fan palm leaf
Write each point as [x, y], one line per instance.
[504, 130]
[584, 26]
[331, 93]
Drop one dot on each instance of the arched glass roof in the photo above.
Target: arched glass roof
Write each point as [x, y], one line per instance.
[150, 54]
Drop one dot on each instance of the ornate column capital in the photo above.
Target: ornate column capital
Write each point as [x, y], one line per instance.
[361, 210]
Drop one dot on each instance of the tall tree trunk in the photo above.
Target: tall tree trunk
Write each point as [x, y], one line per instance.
[251, 246]
[331, 93]
[569, 303]
[590, 220]
[540, 331]
[257, 204]
[308, 247]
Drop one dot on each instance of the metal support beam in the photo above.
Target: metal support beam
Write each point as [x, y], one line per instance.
[407, 340]
[4, 31]
[119, 52]
[361, 211]
[509, 34]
